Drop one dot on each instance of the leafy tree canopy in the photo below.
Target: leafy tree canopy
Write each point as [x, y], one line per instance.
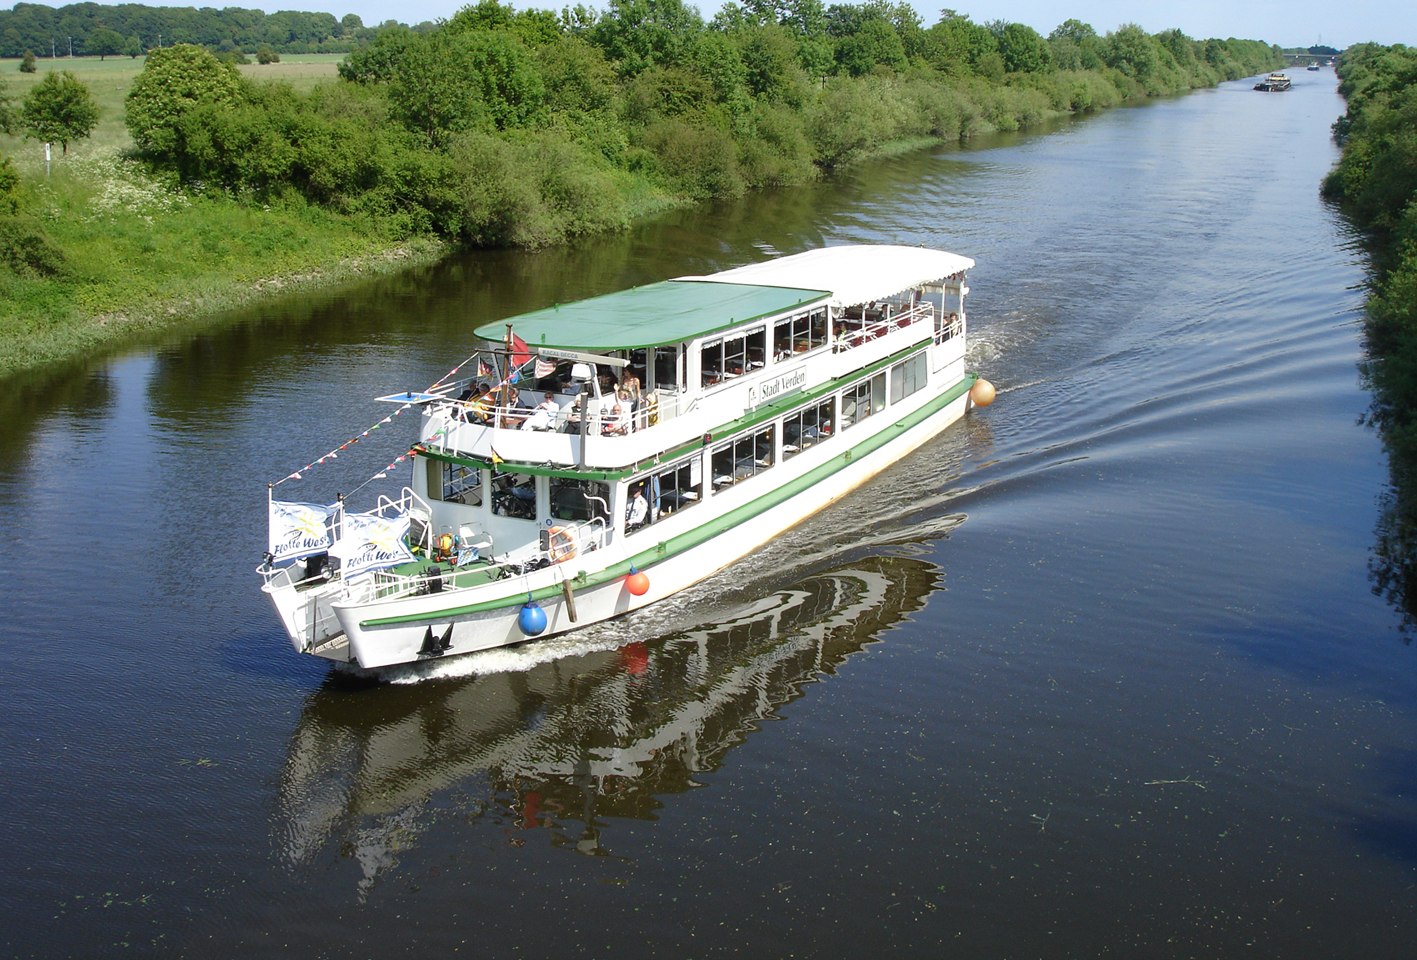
[60, 108]
[174, 81]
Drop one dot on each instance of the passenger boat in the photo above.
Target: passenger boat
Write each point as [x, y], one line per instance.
[605, 454]
[1273, 83]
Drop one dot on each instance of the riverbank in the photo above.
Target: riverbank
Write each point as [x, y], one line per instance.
[133, 258]
[1376, 182]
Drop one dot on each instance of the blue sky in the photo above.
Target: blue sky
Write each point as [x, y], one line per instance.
[1285, 22]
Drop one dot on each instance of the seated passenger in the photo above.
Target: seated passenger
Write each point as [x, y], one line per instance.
[543, 415]
[616, 421]
[477, 410]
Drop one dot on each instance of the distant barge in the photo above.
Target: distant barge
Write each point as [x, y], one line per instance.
[1273, 83]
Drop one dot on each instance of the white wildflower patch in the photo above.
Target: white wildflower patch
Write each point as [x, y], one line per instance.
[125, 188]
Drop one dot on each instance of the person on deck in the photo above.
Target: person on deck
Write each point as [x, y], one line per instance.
[543, 415]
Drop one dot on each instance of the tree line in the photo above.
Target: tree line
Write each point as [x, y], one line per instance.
[1376, 182]
[528, 127]
[91, 29]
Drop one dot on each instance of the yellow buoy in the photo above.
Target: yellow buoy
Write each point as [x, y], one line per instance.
[982, 393]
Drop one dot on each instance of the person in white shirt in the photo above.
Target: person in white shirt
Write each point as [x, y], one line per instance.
[639, 509]
[543, 415]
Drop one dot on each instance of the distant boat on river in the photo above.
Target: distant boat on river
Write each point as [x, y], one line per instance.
[1273, 83]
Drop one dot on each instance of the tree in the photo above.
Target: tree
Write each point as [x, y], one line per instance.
[1075, 46]
[104, 42]
[133, 48]
[1131, 50]
[172, 82]
[637, 34]
[27, 65]
[264, 54]
[956, 46]
[873, 42]
[1023, 50]
[60, 108]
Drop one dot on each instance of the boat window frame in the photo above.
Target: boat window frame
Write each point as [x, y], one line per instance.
[726, 357]
[800, 333]
[872, 390]
[908, 377]
[743, 456]
[822, 411]
[680, 486]
[448, 490]
[502, 507]
[559, 485]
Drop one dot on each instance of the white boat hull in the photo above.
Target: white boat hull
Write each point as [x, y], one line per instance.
[374, 642]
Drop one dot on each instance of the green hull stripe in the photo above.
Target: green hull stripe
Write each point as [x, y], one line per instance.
[690, 539]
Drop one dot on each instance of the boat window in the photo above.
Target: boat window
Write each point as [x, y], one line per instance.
[579, 500]
[667, 491]
[513, 495]
[860, 401]
[455, 482]
[808, 427]
[668, 373]
[798, 334]
[743, 457]
[732, 356]
[907, 377]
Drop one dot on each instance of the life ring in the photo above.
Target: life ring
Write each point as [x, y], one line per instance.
[560, 544]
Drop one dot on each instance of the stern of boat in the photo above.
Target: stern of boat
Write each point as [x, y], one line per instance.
[304, 603]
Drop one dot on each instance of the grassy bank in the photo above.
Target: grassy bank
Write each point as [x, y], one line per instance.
[139, 254]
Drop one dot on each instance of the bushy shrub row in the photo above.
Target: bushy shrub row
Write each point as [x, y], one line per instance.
[527, 128]
[1376, 181]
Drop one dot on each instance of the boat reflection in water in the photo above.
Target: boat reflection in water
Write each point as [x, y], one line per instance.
[573, 744]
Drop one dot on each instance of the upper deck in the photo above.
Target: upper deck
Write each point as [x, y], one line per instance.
[699, 352]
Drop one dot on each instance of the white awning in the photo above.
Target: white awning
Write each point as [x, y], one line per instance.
[853, 274]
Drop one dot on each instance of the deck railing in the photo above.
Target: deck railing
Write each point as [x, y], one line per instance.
[439, 575]
[871, 324]
[950, 326]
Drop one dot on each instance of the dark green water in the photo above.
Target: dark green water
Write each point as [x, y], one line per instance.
[1100, 672]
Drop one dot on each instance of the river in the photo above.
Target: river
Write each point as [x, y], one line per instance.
[1101, 671]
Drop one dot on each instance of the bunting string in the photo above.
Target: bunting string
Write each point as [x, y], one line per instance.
[513, 376]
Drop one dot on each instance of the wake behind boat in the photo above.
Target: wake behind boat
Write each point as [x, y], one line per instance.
[609, 453]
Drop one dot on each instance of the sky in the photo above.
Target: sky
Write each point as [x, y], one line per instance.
[1289, 23]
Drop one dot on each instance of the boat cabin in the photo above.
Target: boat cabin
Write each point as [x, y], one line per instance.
[596, 415]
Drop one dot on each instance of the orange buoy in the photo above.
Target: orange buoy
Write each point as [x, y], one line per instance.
[637, 583]
[982, 393]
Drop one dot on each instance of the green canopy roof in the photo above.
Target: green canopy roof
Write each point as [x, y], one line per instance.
[654, 315]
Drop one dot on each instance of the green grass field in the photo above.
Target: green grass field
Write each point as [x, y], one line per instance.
[110, 79]
[140, 255]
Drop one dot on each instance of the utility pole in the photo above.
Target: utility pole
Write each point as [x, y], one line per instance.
[52, 52]
[71, 48]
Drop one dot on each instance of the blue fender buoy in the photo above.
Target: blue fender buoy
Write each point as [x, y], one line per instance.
[531, 619]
